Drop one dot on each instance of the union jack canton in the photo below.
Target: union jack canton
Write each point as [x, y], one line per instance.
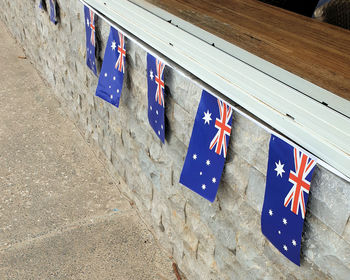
[111, 79]
[288, 180]
[92, 27]
[120, 64]
[155, 82]
[207, 150]
[223, 127]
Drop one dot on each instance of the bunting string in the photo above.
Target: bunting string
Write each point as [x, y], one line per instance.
[212, 91]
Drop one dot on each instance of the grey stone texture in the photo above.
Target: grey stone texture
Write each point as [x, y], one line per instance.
[221, 240]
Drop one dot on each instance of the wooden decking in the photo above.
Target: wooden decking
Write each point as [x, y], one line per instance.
[315, 51]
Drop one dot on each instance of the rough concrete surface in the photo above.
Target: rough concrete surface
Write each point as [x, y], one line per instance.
[61, 214]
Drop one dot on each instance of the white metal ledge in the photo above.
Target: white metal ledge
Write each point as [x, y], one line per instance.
[284, 101]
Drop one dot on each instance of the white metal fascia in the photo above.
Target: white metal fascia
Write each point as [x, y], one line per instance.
[286, 77]
[319, 129]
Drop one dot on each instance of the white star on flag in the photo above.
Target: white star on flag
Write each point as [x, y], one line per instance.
[87, 22]
[284, 221]
[213, 180]
[204, 187]
[270, 212]
[207, 162]
[194, 156]
[207, 117]
[151, 74]
[279, 168]
[294, 242]
[114, 45]
[285, 247]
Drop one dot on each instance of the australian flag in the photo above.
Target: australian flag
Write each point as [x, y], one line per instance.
[90, 19]
[110, 83]
[207, 150]
[155, 81]
[53, 11]
[42, 5]
[288, 179]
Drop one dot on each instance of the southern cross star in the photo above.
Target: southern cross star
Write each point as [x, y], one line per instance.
[207, 117]
[151, 74]
[114, 45]
[279, 168]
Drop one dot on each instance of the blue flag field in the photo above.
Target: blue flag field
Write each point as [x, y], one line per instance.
[207, 150]
[110, 83]
[53, 11]
[155, 82]
[288, 180]
[90, 19]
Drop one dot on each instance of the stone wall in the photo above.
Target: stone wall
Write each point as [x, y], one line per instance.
[221, 240]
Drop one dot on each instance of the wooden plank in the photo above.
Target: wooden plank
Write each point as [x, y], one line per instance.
[315, 51]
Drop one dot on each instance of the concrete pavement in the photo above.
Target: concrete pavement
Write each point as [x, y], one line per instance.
[61, 214]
